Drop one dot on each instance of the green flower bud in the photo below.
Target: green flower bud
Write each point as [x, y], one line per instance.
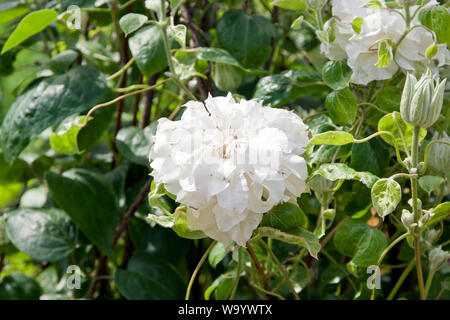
[439, 154]
[422, 100]
[437, 257]
[227, 77]
[316, 4]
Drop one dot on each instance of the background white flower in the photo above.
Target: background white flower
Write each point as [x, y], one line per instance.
[229, 163]
[379, 24]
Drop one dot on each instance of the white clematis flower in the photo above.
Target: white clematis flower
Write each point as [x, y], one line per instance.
[229, 163]
[361, 49]
[362, 53]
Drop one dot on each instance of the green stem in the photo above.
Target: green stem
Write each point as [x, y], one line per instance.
[415, 207]
[163, 26]
[429, 281]
[401, 279]
[333, 261]
[197, 269]
[282, 269]
[384, 253]
[238, 275]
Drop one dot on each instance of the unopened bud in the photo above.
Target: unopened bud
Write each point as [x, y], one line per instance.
[439, 154]
[422, 100]
[316, 4]
[427, 215]
[431, 236]
[408, 220]
[437, 257]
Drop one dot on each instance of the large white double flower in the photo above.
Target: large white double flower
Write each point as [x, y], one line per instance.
[229, 163]
[360, 50]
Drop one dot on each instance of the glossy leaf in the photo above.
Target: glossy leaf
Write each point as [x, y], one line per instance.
[360, 242]
[336, 74]
[132, 22]
[48, 102]
[298, 236]
[89, 201]
[43, 234]
[284, 217]
[247, 38]
[135, 144]
[148, 277]
[342, 107]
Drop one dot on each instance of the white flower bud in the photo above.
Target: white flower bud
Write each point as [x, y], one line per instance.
[439, 154]
[422, 100]
[437, 257]
[427, 215]
[408, 220]
[431, 235]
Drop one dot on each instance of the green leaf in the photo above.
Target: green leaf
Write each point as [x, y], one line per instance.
[342, 107]
[43, 234]
[370, 156]
[158, 240]
[65, 140]
[384, 54]
[48, 102]
[333, 138]
[218, 55]
[388, 99]
[247, 38]
[135, 144]
[441, 211]
[178, 33]
[298, 236]
[33, 23]
[438, 20]
[278, 89]
[147, 47]
[131, 22]
[149, 277]
[12, 10]
[90, 202]
[373, 4]
[62, 61]
[360, 242]
[430, 183]
[335, 171]
[356, 24]
[18, 171]
[181, 228]
[221, 287]
[341, 171]
[336, 74]
[217, 254]
[18, 286]
[9, 192]
[386, 195]
[290, 4]
[387, 124]
[284, 217]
